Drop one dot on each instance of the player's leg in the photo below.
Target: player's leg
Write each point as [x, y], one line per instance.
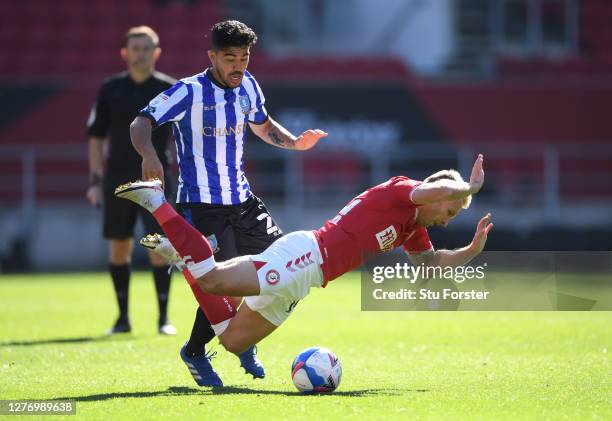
[283, 285]
[216, 223]
[236, 277]
[240, 333]
[245, 330]
[213, 222]
[219, 310]
[161, 276]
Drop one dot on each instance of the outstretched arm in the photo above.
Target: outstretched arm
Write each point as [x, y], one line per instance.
[275, 134]
[458, 257]
[442, 190]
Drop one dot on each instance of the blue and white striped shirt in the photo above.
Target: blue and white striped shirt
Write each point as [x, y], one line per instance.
[209, 125]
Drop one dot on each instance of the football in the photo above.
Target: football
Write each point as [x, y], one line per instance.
[316, 370]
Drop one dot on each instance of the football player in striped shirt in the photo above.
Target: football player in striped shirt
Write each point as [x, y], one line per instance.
[393, 214]
[210, 114]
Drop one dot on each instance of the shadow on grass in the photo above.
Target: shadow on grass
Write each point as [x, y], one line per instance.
[232, 390]
[76, 340]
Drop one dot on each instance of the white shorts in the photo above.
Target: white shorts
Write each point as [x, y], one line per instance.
[286, 271]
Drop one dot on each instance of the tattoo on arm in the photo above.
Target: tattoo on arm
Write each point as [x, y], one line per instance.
[275, 138]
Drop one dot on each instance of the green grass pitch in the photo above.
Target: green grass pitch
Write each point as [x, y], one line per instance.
[396, 365]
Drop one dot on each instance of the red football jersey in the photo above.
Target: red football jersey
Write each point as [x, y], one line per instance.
[377, 221]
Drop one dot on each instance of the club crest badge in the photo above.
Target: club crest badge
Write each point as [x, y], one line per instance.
[272, 277]
[245, 103]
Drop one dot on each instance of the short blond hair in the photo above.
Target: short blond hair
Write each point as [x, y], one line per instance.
[142, 31]
[450, 175]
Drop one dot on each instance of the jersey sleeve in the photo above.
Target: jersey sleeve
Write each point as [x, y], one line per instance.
[258, 114]
[170, 105]
[419, 242]
[403, 191]
[98, 121]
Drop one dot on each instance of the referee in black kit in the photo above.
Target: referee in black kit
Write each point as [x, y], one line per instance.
[119, 100]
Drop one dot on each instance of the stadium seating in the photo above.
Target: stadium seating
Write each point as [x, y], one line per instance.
[71, 45]
[64, 49]
[75, 38]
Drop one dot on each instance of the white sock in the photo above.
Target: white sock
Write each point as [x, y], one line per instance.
[200, 269]
[220, 327]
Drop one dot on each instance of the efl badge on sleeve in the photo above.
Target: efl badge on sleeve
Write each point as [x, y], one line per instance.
[245, 103]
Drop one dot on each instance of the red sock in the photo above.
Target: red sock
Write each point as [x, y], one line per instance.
[218, 310]
[189, 243]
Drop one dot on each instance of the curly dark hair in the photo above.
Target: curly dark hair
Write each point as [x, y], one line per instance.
[232, 33]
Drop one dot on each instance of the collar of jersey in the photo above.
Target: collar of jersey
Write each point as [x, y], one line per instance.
[211, 77]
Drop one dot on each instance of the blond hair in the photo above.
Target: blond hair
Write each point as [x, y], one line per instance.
[450, 175]
[142, 31]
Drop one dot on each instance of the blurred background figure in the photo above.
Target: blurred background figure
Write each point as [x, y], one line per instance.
[414, 86]
[120, 99]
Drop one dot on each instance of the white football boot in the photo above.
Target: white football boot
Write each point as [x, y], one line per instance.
[167, 328]
[162, 246]
[148, 194]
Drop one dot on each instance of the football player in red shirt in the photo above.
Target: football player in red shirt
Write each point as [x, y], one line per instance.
[392, 214]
